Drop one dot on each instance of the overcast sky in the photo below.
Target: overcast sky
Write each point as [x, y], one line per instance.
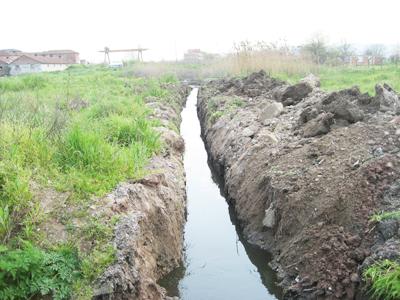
[169, 27]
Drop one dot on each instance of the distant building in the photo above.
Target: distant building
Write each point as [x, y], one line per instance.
[194, 56]
[366, 60]
[4, 68]
[15, 62]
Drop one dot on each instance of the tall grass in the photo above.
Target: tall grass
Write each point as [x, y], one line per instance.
[239, 64]
[83, 151]
[384, 279]
[273, 61]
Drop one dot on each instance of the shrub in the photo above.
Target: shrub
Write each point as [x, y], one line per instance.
[29, 272]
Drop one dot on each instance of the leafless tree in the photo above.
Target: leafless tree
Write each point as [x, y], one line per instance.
[317, 49]
[377, 50]
[345, 51]
[395, 56]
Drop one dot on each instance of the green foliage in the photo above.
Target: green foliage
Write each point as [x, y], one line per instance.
[215, 116]
[384, 279]
[385, 216]
[222, 105]
[237, 102]
[97, 261]
[365, 77]
[26, 82]
[47, 142]
[342, 77]
[127, 130]
[85, 150]
[96, 231]
[15, 198]
[29, 272]
[168, 78]
[212, 105]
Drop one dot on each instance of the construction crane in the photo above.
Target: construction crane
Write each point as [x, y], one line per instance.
[107, 52]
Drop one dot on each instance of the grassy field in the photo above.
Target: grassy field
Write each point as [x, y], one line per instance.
[365, 77]
[78, 133]
[336, 78]
[291, 70]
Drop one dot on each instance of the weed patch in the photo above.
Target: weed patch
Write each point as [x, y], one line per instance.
[83, 152]
[30, 271]
[385, 216]
[384, 278]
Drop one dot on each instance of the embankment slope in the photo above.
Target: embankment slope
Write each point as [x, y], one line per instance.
[304, 171]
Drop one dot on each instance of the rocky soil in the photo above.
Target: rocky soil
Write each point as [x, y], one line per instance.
[305, 170]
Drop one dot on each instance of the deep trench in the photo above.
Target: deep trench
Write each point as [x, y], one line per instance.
[219, 263]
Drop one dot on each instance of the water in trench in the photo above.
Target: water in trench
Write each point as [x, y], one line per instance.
[219, 264]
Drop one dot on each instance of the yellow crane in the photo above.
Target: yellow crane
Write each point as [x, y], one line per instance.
[107, 52]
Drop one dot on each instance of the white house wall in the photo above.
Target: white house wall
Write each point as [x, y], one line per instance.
[36, 68]
[53, 67]
[24, 69]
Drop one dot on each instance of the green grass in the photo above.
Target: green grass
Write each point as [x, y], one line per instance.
[337, 78]
[384, 280]
[385, 216]
[222, 105]
[78, 132]
[365, 77]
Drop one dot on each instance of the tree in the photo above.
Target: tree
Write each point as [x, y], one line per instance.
[317, 49]
[395, 56]
[377, 50]
[345, 51]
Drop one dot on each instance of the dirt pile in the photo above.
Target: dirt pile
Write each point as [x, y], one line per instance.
[305, 170]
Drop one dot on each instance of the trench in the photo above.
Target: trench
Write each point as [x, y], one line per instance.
[219, 263]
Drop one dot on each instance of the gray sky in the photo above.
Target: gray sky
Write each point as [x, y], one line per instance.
[169, 27]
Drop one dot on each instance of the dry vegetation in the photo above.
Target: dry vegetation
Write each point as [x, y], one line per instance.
[283, 62]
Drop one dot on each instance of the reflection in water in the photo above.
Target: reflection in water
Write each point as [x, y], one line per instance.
[219, 263]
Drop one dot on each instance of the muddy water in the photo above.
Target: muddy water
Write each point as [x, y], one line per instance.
[219, 264]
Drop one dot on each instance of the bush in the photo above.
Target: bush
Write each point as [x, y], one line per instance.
[29, 272]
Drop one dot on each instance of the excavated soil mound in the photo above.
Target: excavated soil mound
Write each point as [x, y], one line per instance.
[305, 170]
